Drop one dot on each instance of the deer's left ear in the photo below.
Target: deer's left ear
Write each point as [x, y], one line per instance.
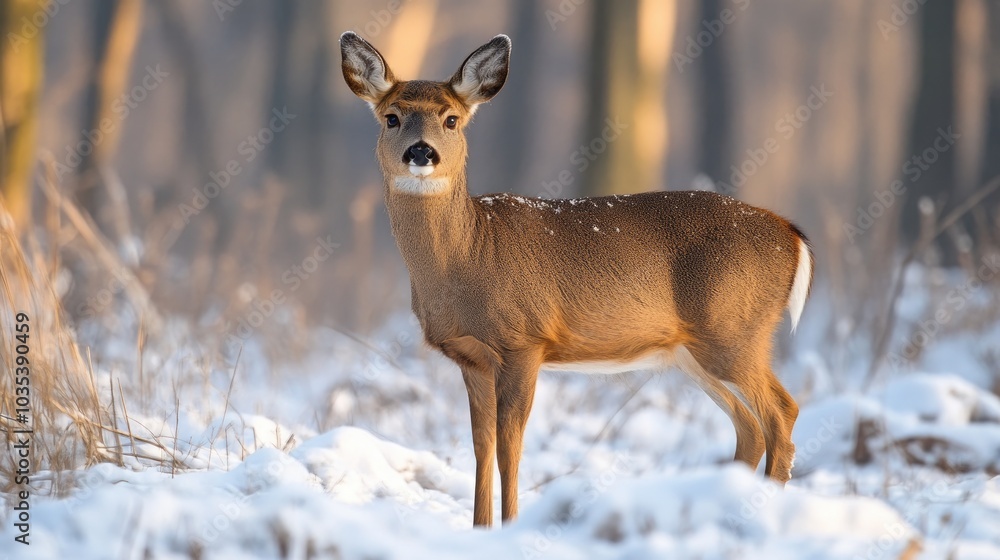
[483, 74]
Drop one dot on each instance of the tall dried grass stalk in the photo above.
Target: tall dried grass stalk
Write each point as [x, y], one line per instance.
[932, 229]
[98, 245]
[65, 409]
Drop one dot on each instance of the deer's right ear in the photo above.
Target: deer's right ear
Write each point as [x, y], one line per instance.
[365, 71]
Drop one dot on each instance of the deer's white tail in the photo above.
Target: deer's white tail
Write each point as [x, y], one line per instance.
[801, 284]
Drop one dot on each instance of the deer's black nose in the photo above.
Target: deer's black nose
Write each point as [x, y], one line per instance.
[421, 154]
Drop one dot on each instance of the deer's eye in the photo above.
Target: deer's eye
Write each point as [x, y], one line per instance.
[392, 121]
[451, 122]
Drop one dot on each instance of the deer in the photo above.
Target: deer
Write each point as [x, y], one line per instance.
[507, 286]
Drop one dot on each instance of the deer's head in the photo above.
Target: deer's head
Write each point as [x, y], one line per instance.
[421, 146]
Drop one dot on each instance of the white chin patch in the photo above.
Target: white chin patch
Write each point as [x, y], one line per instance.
[420, 186]
[421, 170]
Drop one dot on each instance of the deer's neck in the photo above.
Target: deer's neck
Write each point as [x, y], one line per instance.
[435, 232]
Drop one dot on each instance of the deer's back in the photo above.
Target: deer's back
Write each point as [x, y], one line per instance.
[589, 268]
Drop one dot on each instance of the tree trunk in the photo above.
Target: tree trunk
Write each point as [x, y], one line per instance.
[22, 69]
[625, 133]
[714, 79]
[296, 155]
[198, 137]
[116, 33]
[516, 135]
[930, 172]
[988, 218]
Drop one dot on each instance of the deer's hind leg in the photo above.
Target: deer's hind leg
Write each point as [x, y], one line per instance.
[749, 437]
[746, 371]
[777, 412]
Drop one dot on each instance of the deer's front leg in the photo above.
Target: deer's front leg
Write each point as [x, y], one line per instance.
[515, 391]
[483, 408]
[480, 365]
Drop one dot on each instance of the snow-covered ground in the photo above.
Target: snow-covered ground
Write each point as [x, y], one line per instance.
[362, 449]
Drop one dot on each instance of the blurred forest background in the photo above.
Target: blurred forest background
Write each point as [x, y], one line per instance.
[184, 155]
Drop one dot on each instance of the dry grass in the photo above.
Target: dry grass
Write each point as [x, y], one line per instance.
[934, 227]
[77, 420]
[73, 425]
[66, 414]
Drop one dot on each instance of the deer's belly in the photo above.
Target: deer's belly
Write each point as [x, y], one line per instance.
[659, 360]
